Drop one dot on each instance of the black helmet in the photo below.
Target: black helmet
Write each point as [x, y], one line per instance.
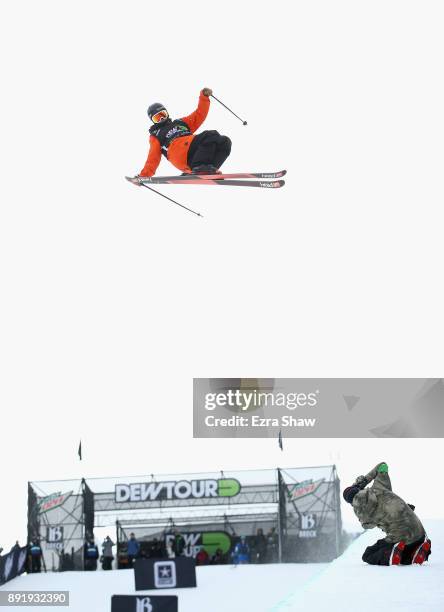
[156, 108]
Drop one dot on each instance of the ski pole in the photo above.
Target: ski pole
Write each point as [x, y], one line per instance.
[229, 109]
[171, 200]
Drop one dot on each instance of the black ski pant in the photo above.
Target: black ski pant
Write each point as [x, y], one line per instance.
[209, 148]
[379, 553]
[36, 566]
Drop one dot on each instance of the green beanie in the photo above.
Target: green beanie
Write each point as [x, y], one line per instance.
[383, 468]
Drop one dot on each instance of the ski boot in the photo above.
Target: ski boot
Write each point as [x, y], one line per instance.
[422, 552]
[396, 555]
[205, 169]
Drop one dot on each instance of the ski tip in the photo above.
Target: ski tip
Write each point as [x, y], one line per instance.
[132, 180]
[276, 184]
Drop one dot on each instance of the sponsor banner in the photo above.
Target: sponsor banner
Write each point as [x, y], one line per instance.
[54, 537]
[53, 501]
[144, 603]
[318, 407]
[308, 526]
[181, 489]
[211, 541]
[301, 489]
[165, 573]
[12, 564]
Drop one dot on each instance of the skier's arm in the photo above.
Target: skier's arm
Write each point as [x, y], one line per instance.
[153, 159]
[195, 120]
[380, 476]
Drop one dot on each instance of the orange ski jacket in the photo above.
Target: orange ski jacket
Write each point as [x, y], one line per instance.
[177, 149]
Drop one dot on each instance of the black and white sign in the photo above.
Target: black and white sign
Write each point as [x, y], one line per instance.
[308, 526]
[54, 537]
[144, 603]
[165, 573]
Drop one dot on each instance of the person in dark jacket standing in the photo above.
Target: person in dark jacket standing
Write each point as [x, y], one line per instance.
[133, 548]
[35, 551]
[107, 553]
[406, 541]
[259, 547]
[179, 544]
[91, 554]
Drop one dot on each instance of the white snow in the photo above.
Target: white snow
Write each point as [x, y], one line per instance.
[220, 588]
[347, 583]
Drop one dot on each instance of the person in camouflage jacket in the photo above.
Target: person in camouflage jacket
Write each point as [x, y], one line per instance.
[406, 541]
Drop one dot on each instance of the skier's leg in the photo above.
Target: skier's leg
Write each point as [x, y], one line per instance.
[223, 150]
[202, 149]
[422, 551]
[379, 554]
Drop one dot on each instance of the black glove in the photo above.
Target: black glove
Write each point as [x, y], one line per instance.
[411, 506]
[361, 482]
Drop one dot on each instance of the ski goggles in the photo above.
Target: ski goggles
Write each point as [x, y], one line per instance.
[160, 116]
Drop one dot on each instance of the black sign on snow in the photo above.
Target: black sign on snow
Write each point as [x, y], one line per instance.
[144, 603]
[165, 573]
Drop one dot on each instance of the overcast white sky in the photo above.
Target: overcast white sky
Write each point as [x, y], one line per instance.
[112, 299]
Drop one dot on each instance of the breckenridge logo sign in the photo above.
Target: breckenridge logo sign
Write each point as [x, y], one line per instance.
[176, 489]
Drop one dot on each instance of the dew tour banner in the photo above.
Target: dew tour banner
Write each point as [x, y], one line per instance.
[12, 564]
[53, 501]
[144, 603]
[165, 573]
[180, 489]
[318, 407]
[211, 541]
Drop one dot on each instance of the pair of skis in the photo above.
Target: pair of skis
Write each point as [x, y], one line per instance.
[266, 180]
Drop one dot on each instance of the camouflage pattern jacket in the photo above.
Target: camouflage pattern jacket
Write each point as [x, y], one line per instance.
[378, 506]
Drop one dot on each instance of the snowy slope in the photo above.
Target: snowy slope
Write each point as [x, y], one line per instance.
[277, 588]
[350, 581]
[220, 588]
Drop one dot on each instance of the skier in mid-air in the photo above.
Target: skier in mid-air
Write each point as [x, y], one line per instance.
[406, 542]
[203, 153]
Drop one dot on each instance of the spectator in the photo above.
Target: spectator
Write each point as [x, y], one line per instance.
[107, 553]
[260, 547]
[133, 549]
[91, 554]
[1, 550]
[15, 547]
[218, 558]
[36, 557]
[66, 563]
[179, 544]
[202, 557]
[241, 553]
[272, 545]
[156, 549]
[170, 549]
